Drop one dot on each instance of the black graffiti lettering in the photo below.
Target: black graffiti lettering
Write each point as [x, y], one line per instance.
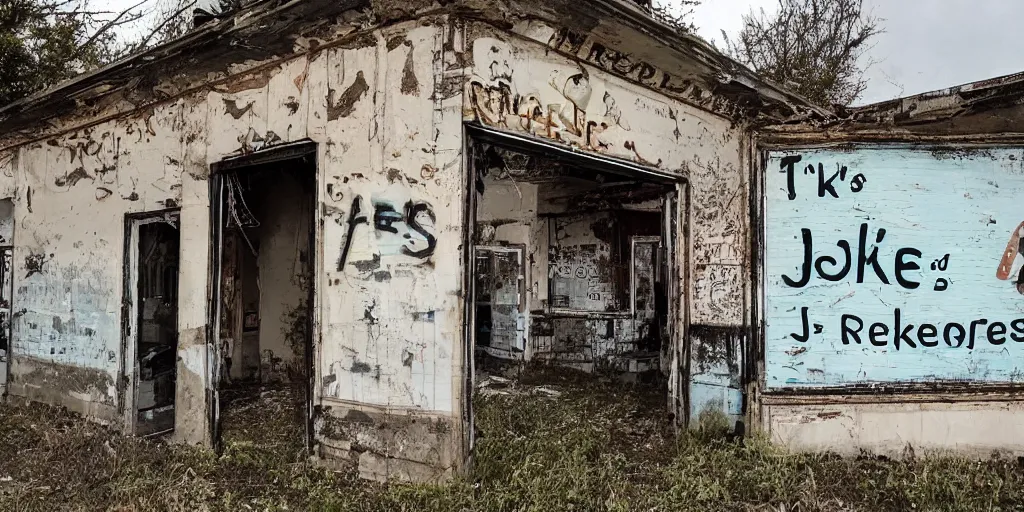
[941, 284]
[353, 220]
[869, 259]
[412, 212]
[877, 334]
[926, 333]
[819, 263]
[867, 256]
[1018, 330]
[624, 65]
[996, 333]
[901, 334]
[384, 218]
[806, 333]
[902, 265]
[961, 335]
[826, 185]
[848, 333]
[787, 167]
[805, 274]
[857, 183]
[974, 326]
[646, 73]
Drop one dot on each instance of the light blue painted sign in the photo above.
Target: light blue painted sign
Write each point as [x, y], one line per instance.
[888, 265]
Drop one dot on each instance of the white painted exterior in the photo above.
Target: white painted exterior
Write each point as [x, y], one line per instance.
[387, 114]
[73, 191]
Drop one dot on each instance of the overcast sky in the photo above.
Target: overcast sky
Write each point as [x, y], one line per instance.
[927, 44]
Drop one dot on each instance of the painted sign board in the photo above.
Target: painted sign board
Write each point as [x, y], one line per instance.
[894, 265]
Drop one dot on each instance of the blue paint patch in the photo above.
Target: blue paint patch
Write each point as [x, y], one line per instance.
[894, 265]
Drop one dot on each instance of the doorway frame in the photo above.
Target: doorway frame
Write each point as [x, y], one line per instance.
[10, 320]
[305, 148]
[676, 211]
[128, 384]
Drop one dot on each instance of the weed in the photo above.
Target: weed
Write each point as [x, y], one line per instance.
[595, 446]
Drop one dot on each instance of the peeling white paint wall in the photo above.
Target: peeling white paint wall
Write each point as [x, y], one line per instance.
[73, 192]
[385, 140]
[394, 199]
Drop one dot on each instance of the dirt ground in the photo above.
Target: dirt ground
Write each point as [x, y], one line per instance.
[547, 441]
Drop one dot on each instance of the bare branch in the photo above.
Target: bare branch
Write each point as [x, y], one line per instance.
[117, 21]
[811, 46]
[145, 40]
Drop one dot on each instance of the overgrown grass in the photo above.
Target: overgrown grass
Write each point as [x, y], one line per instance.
[598, 446]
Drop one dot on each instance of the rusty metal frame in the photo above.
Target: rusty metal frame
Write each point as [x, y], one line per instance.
[941, 390]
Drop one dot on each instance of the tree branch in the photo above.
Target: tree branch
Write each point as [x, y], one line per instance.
[110, 24]
[145, 40]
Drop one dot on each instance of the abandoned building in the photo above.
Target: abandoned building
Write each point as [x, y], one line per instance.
[361, 198]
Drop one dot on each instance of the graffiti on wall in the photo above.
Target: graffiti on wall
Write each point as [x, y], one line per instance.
[398, 229]
[636, 69]
[894, 265]
[567, 106]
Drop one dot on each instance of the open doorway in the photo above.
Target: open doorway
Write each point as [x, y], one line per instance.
[6, 286]
[151, 341]
[264, 235]
[574, 263]
[6, 295]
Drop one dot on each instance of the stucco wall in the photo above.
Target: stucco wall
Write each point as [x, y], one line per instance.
[72, 194]
[388, 312]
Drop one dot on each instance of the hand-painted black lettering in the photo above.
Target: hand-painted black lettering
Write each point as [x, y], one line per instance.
[384, 217]
[857, 183]
[412, 211]
[805, 273]
[877, 334]
[827, 185]
[869, 259]
[927, 335]
[996, 333]
[1018, 330]
[849, 333]
[901, 334]
[974, 326]
[803, 321]
[787, 167]
[353, 220]
[902, 265]
[959, 337]
[819, 263]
